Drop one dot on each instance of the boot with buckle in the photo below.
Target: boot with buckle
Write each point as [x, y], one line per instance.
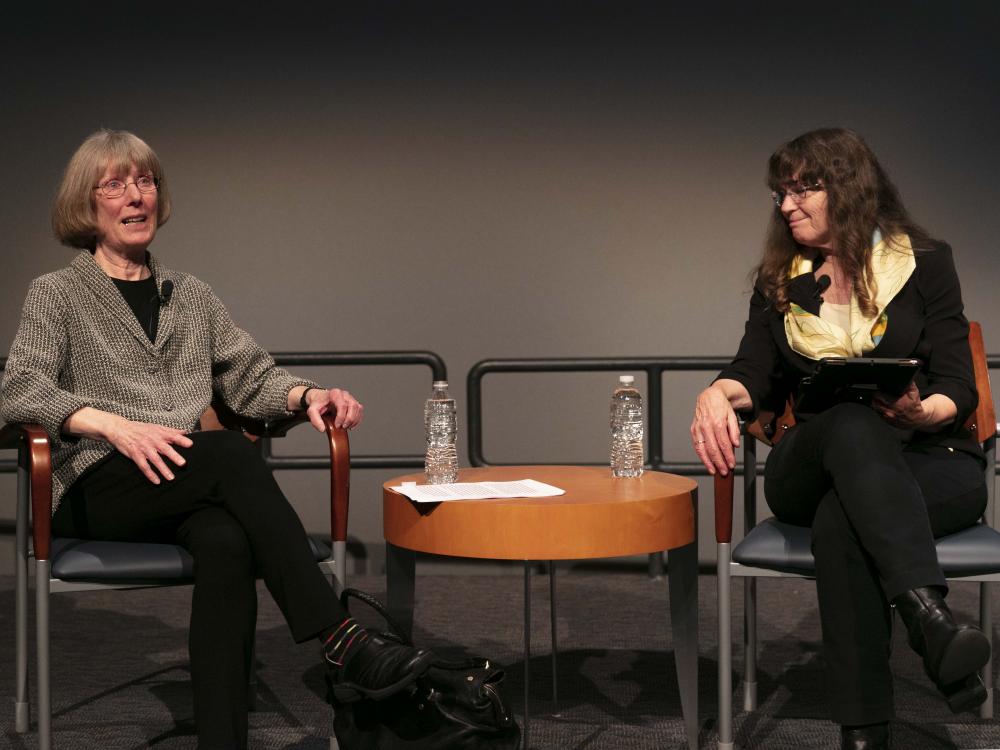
[953, 654]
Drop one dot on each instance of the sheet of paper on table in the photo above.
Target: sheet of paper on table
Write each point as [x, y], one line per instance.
[436, 493]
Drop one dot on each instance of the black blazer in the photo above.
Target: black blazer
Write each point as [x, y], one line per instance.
[925, 320]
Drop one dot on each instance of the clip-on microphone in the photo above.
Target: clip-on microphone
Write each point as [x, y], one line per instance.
[166, 292]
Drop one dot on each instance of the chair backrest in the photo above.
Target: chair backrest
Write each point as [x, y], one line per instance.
[982, 423]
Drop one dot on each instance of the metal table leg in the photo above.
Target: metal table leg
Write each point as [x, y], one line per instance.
[553, 610]
[400, 571]
[682, 575]
[525, 742]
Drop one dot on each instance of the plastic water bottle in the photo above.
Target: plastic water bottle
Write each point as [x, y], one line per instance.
[626, 429]
[440, 428]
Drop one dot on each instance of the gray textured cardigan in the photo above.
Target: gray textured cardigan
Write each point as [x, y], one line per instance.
[79, 344]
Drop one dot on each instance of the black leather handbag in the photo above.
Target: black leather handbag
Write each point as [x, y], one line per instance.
[455, 705]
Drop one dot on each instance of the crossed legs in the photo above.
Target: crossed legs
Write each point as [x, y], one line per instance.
[874, 507]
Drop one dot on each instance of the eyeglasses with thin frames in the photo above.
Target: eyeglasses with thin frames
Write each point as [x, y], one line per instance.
[116, 188]
[798, 193]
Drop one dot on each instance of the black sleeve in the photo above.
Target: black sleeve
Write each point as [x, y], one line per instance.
[946, 332]
[757, 362]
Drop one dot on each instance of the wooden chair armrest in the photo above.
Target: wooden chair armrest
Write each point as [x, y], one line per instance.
[35, 456]
[724, 508]
[340, 478]
[982, 423]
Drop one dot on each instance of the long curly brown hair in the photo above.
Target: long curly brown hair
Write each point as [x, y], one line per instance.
[860, 199]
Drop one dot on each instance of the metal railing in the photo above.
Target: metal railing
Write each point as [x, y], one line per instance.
[332, 359]
[654, 367]
[323, 359]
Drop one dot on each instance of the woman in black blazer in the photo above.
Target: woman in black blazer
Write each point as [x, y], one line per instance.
[846, 273]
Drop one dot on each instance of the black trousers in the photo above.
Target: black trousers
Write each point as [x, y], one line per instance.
[227, 510]
[875, 506]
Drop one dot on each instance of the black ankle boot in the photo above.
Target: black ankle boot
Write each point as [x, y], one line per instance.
[378, 669]
[868, 737]
[952, 653]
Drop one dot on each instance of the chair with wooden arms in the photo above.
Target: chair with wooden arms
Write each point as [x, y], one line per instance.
[73, 565]
[779, 550]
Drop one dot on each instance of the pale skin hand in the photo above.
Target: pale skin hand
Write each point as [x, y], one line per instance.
[349, 412]
[148, 444]
[910, 412]
[145, 444]
[715, 430]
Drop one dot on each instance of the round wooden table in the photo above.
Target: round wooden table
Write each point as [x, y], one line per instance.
[598, 516]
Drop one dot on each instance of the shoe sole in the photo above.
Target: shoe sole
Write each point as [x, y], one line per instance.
[349, 692]
[965, 655]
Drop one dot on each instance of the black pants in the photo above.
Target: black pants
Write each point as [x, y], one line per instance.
[875, 506]
[226, 509]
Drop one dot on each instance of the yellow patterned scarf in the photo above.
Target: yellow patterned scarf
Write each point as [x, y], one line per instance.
[815, 338]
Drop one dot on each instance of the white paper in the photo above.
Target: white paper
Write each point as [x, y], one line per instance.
[437, 493]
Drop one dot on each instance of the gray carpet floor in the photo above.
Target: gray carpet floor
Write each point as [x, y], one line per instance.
[121, 679]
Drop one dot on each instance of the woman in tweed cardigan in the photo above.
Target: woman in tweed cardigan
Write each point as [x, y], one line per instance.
[117, 357]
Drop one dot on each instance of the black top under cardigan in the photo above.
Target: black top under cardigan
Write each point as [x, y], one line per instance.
[926, 320]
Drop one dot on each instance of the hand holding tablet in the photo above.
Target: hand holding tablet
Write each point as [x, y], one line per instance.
[854, 379]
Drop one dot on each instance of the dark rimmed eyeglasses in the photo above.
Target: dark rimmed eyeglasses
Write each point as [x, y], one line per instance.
[116, 188]
[797, 193]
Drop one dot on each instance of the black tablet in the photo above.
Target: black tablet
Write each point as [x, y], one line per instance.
[838, 379]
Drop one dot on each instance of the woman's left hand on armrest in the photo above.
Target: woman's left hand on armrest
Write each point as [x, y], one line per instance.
[910, 412]
[349, 412]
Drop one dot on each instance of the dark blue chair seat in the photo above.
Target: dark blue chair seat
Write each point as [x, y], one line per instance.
[86, 560]
[774, 545]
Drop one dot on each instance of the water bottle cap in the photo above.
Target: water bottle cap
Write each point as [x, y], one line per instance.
[626, 379]
[440, 384]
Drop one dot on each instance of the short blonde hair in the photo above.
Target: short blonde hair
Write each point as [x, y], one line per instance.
[73, 219]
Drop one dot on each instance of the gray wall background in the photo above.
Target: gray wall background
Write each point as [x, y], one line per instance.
[493, 180]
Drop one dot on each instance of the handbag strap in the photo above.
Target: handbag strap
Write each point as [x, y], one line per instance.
[394, 632]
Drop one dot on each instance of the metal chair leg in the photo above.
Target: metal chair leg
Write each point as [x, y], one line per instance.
[750, 644]
[986, 623]
[656, 566]
[44, 661]
[339, 566]
[725, 649]
[22, 707]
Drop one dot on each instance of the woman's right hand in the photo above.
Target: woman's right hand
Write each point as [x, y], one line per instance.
[715, 430]
[147, 444]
